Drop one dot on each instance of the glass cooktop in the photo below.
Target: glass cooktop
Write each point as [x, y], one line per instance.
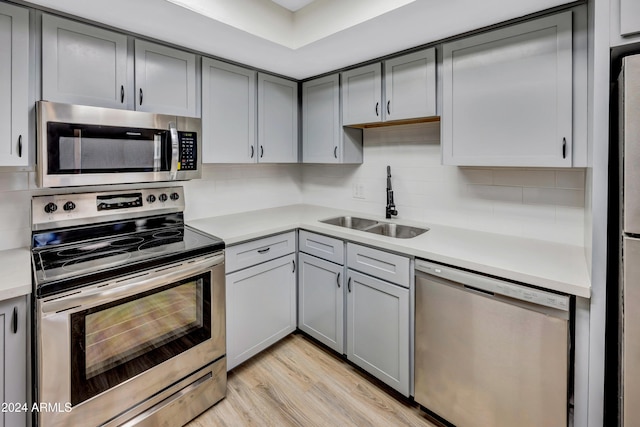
[69, 258]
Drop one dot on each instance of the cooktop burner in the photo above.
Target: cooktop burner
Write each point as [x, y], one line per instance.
[69, 258]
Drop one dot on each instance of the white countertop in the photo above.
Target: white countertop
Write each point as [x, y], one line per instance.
[15, 265]
[549, 265]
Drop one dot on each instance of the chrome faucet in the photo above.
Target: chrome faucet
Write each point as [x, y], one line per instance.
[391, 207]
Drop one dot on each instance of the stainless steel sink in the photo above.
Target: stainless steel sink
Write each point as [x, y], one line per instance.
[372, 226]
[396, 230]
[350, 222]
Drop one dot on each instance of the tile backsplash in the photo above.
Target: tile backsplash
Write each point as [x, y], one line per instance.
[545, 204]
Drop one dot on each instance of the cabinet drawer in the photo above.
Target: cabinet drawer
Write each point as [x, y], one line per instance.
[258, 251]
[384, 265]
[321, 246]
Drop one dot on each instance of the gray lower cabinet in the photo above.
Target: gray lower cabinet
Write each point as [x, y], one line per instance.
[321, 300]
[260, 301]
[378, 329]
[165, 80]
[83, 64]
[14, 85]
[324, 140]
[228, 113]
[13, 359]
[277, 120]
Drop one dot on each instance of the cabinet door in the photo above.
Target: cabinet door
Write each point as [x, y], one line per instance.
[321, 300]
[165, 80]
[277, 120]
[261, 307]
[13, 358]
[14, 85]
[629, 17]
[378, 329]
[228, 113]
[361, 95]
[410, 85]
[82, 64]
[321, 120]
[508, 96]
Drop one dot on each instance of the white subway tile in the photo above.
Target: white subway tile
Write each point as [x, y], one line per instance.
[476, 176]
[14, 181]
[554, 196]
[570, 179]
[496, 193]
[525, 178]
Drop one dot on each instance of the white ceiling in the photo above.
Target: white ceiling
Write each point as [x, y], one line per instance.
[322, 36]
[293, 5]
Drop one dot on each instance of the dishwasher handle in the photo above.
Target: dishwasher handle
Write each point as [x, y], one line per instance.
[492, 286]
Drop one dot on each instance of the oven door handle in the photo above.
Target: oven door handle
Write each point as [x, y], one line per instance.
[175, 148]
[102, 293]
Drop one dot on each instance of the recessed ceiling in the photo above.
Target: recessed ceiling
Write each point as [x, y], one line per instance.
[293, 5]
[323, 36]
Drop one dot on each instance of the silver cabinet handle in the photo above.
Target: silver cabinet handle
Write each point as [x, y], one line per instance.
[175, 145]
[264, 251]
[349, 284]
[338, 279]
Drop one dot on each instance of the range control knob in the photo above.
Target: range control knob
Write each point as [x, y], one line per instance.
[69, 206]
[174, 196]
[163, 197]
[50, 207]
[151, 198]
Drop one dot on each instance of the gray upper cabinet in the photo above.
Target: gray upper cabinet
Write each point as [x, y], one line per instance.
[165, 80]
[228, 113]
[362, 95]
[82, 64]
[507, 96]
[277, 120]
[629, 17]
[14, 85]
[324, 140]
[410, 86]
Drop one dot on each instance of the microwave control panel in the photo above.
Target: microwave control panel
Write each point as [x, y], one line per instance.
[188, 157]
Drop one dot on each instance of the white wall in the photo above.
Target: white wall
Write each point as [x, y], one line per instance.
[545, 204]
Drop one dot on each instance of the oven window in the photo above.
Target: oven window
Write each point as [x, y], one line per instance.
[117, 341]
[77, 149]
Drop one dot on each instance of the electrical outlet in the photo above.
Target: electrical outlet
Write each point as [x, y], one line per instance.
[358, 191]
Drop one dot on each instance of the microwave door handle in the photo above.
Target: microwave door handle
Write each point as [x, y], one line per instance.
[174, 151]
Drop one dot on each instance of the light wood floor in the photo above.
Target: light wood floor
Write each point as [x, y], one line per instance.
[298, 383]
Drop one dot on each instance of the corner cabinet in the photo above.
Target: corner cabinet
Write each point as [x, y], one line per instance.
[228, 113]
[83, 65]
[165, 80]
[507, 96]
[277, 120]
[409, 90]
[13, 356]
[324, 140]
[260, 295]
[14, 85]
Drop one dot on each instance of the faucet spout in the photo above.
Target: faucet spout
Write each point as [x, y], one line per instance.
[391, 207]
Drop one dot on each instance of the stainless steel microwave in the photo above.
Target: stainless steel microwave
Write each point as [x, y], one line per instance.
[83, 145]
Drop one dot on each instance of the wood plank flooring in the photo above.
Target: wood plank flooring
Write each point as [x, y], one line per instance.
[298, 383]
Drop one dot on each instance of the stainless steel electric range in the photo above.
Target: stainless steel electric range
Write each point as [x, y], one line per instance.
[129, 322]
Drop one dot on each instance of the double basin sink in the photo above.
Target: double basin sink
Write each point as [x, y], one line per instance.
[376, 227]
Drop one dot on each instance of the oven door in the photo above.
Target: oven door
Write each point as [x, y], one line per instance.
[107, 348]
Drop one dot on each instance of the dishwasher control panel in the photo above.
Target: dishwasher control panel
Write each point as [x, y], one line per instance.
[495, 286]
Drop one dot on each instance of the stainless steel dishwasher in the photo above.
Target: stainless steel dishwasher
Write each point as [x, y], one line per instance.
[490, 352]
